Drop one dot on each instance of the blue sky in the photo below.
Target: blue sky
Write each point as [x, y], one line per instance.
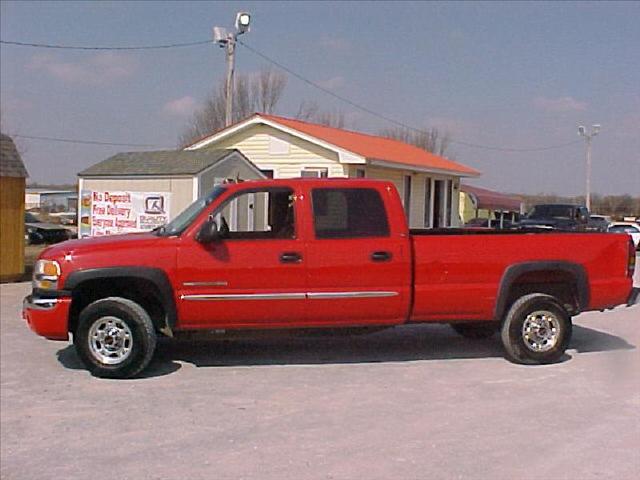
[506, 74]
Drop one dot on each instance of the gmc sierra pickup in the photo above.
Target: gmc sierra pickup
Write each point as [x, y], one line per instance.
[304, 253]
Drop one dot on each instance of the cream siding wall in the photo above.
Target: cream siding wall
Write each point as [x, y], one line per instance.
[180, 188]
[254, 143]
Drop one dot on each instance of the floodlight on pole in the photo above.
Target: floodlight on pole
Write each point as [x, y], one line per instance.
[227, 40]
[582, 131]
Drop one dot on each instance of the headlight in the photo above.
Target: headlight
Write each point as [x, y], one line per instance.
[46, 274]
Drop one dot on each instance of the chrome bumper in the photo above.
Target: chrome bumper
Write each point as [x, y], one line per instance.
[38, 303]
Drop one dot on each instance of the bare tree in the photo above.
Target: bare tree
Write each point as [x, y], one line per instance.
[268, 86]
[259, 92]
[310, 112]
[307, 111]
[431, 140]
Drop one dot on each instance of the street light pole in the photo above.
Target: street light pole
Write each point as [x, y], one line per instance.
[582, 131]
[228, 113]
[227, 40]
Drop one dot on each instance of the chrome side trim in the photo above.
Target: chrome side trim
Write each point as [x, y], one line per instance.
[217, 283]
[250, 296]
[330, 295]
[204, 297]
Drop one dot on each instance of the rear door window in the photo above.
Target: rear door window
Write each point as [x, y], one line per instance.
[349, 213]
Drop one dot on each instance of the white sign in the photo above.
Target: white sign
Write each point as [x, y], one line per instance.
[110, 213]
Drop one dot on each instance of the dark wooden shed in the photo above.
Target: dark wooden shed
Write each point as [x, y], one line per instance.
[13, 176]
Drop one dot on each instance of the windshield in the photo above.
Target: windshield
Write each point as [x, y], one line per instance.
[188, 215]
[551, 211]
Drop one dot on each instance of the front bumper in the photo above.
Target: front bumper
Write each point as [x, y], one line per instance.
[48, 317]
[633, 296]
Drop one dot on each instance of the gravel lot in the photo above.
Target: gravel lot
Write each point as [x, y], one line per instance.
[417, 402]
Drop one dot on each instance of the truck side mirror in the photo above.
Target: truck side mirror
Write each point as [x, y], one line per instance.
[208, 233]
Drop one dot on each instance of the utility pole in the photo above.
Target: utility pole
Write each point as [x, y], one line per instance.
[228, 113]
[582, 131]
[227, 40]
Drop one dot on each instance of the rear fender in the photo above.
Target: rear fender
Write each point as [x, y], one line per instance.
[514, 272]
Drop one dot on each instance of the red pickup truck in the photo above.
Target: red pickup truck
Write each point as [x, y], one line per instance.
[303, 253]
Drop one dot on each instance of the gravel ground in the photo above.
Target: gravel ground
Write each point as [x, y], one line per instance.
[415, 402]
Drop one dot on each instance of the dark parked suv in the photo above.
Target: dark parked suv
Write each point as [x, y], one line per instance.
[557, 217]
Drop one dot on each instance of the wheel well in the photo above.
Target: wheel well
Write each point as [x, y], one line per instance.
[560, 284]
[142, 291]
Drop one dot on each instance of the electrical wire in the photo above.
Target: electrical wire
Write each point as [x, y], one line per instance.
[79, 47]
[392, 120]
[290, 72]
[86, 142]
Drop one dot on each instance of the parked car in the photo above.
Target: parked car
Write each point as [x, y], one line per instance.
[65, 218]
[557, 217]
[598, 223]
[319, 254]
[37, 232]
[631, 228]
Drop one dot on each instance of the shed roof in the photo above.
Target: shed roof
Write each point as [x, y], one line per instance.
[370, 147]
[159, 163]
[490, 200]
[10, 162]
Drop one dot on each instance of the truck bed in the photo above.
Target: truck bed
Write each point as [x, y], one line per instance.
[462, 276]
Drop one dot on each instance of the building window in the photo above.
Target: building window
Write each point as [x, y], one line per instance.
[448, 203]
[314, 173]
[407, 197]
[427, 202]
[267, 173]
[348, 213]
[360, 173]
[438, 203]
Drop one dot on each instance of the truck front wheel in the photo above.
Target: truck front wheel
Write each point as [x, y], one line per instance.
[536, 330]
[115, 338]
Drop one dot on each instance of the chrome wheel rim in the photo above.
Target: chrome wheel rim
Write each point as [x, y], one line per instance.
[110, 340]
[541, 331]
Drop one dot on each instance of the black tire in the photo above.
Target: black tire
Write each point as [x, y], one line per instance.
[122, 351]
[546, 335]
[476, 330]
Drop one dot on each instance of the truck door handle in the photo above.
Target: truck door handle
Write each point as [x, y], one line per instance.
[290, 257]
[381, 256]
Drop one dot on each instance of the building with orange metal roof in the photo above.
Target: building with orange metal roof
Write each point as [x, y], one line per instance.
[281, 147]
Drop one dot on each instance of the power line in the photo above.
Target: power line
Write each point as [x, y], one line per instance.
[86, 142]
[392, 120]
[289, 71]
[80, 47]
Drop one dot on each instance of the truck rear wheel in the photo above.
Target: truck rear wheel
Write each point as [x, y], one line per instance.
[115, 338]
[536, 330]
